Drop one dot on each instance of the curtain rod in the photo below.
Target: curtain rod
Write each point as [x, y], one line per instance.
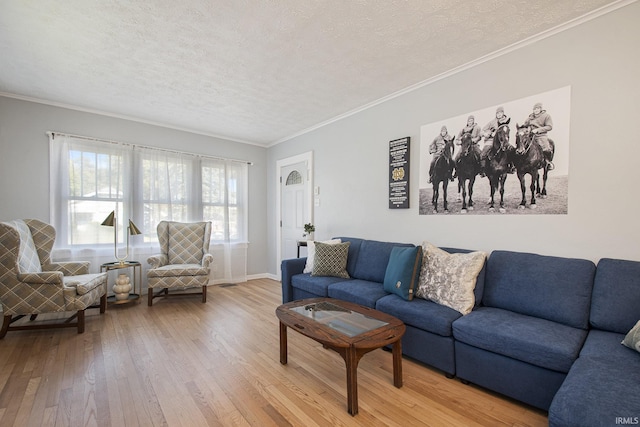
[53, 134]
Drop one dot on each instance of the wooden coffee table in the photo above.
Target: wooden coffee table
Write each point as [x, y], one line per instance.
[349, 329]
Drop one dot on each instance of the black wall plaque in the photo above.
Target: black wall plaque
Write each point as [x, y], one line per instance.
[399, 173]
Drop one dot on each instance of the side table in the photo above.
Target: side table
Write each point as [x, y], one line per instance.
[301, 243]
[134, 295]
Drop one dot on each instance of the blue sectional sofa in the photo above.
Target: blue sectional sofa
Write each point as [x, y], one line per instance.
[603, 385]
[545, 330]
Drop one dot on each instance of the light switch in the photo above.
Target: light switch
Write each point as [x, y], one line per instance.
[316, 191]
[316, 202]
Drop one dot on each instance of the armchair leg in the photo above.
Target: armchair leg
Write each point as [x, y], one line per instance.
[103, 303]
[80, 321]
[5, 326]
[150, 297]
[204, 294]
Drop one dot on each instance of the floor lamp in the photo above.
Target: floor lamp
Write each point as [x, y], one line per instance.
[132, 230]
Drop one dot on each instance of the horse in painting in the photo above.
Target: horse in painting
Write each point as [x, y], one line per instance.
[442, 169]
[498, 163]
[528, 159]
[467, 167]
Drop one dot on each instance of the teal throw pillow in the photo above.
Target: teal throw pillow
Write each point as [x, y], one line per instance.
[331, 260]
[403, 271]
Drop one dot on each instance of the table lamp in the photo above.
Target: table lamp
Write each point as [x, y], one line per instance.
[132, 230]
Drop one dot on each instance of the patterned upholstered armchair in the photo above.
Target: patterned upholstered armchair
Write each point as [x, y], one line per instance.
[184, 261]
[31, 284]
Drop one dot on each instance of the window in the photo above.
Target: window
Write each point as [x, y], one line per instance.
[94, 188]
[92, 178]
[294, 178]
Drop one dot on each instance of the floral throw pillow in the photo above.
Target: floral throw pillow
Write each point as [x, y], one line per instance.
[632, 340]
[449, 279]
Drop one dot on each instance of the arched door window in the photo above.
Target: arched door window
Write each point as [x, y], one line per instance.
[294, 178]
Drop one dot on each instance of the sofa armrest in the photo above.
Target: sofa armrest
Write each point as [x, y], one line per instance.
[289, 268]
[70, 268]
[157, 261]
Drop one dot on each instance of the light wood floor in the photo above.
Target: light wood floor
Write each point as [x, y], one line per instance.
[184, 363]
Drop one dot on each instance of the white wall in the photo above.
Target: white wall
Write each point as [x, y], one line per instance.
[599, 59]
[24, 160]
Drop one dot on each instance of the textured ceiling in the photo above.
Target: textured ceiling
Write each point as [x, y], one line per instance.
[249, 70]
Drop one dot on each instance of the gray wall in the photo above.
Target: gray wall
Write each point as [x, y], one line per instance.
[599, 59]
[24, 160]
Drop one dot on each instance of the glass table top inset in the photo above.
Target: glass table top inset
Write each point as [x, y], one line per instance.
[338, 318]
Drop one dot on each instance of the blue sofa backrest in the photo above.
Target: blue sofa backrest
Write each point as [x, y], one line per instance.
[354, 250]
[368, 259]
[615, 303]
[548, 287]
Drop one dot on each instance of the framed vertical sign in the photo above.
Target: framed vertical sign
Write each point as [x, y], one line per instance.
[399, 173]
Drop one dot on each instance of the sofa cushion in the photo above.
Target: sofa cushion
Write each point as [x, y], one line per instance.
[600, 387]
[606, 345]
[331, 260]
[361, 292]
[373, 258]
[419, 313]
[529, 339]
[547, 287]
[615, 304]
[318, 285]
[311, 253]
[632, 339]
[449, 279]
[403, 271]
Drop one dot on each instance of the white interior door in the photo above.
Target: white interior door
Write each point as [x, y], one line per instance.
[294, 204]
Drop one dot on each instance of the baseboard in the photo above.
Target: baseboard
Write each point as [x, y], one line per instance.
[262, 276]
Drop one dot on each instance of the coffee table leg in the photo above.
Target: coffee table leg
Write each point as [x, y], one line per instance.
[351, 361]
[283, 344]
[397, 363]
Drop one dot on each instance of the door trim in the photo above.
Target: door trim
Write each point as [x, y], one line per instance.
[308, 159]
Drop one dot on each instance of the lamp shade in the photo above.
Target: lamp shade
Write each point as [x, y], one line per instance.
[110, 220]
[133, 230]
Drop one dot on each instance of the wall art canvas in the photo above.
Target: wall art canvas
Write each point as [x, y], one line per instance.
[399, 162]
[509, 158]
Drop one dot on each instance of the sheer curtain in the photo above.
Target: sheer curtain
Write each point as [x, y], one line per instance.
[225, 202]
[88, 181]
[90, 178]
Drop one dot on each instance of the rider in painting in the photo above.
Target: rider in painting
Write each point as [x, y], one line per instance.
[473, 129]
[488, 132]
[541, 123]
[437, 148]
